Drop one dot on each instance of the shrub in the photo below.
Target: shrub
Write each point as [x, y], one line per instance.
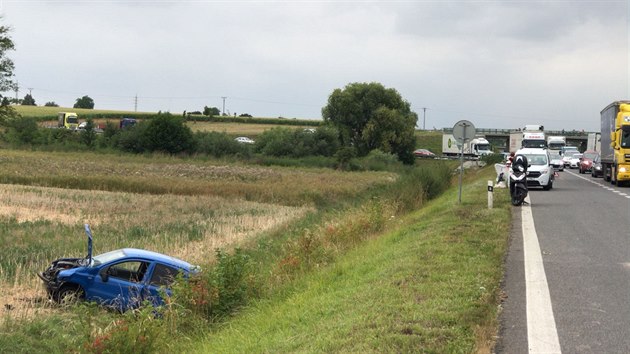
[22, 131]
[287, 142]
[378, 160]
[167, 133]
[219, 145]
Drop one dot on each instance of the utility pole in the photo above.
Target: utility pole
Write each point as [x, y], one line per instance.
[17, 89]
[135, 103]
[223, 112]
[424, 117]
[30, 92]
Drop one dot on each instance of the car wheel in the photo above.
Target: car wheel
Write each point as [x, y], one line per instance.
[548, 186]
[69, 294]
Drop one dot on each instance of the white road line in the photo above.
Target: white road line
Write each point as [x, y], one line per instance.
[542, 335]
[608, 188]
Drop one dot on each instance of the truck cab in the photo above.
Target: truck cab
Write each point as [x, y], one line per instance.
[67, 120]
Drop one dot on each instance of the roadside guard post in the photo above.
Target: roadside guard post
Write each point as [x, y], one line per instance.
[490, 194]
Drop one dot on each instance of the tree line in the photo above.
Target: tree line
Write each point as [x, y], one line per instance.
[358, 119]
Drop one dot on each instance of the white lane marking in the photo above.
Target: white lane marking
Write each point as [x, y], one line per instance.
[542, 335]
[623, 194]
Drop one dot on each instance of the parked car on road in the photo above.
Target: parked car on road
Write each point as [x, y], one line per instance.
[423, 153]
[540, 173]
[121, 279]
[586, 161]
[574, 161]
[566, 153]
[596, 169]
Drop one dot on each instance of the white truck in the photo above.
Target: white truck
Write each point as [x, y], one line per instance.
[594, 142]
[534, 137]
[474, 148]
[556, 142]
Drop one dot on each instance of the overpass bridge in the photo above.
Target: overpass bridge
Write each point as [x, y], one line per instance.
[500, 138]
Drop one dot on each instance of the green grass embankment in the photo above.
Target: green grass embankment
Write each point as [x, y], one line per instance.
[432, 285]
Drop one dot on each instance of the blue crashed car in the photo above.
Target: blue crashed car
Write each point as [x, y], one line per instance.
[120, 279]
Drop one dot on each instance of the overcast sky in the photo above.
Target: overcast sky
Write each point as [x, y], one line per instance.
[499, 64]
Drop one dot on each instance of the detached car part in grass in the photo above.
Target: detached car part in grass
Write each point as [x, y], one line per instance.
[120, 279]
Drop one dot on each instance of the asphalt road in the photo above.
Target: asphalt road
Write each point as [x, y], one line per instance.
[583, 229]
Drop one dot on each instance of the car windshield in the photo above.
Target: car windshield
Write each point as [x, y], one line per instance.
[576, 156]
[590, 156]
[537, 160]
[108, 257]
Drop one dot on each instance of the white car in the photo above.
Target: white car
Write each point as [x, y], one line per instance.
[540, 172]
[574, 161]
[244, 140]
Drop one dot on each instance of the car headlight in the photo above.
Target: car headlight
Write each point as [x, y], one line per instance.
[544, 171]
[623, 169]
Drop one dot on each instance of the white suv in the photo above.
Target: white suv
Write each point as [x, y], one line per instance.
[540, 172]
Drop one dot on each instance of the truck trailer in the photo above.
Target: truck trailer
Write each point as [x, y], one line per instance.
[615, 142]
[474, 148]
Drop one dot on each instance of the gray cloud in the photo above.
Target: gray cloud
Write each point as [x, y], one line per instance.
[499, 64]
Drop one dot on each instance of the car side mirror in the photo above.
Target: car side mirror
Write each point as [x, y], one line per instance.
[104, 275]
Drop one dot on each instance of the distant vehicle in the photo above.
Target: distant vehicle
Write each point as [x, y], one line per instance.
[540, 173]
[82, 125]
[120, 279]
[474, 148]
[534, 137]
[567, 152]
[67, 120]
[594, 142]
[127, 123]
[423, 153]
[244, 140]
[556, 160]
[596, 170]
[556, 142]
[586, 161]
[574, 161]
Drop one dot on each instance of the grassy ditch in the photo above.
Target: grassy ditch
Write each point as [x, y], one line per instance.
[431, 285]
[266, 268]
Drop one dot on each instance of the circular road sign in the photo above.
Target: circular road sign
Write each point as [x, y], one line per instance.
[463, 131]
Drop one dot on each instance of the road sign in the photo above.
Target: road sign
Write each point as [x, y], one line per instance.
[463, 131]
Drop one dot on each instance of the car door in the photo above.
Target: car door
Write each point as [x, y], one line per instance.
[119, 285]
[160, 280]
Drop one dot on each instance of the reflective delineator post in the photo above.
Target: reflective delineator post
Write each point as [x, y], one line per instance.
[490, 194]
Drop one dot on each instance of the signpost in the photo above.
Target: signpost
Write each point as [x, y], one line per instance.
[463, 132]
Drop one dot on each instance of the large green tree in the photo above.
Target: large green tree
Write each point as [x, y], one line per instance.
[84, 102]
[6, 75]
[28, 100]
[370, 116]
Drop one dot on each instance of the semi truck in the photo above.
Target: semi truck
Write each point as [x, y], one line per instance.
[474, 148]
[615, 142]
[534, 137]
[68, 120]
[556, 142]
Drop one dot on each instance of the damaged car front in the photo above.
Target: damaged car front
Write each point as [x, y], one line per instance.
[119, 279]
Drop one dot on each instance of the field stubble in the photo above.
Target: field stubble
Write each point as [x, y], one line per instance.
[184, 208]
